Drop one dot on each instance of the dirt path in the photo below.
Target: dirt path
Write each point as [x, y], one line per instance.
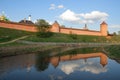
[14, 40]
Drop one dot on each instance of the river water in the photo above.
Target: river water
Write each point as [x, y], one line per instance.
[76, 64]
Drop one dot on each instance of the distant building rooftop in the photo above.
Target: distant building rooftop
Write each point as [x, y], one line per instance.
[26, 22]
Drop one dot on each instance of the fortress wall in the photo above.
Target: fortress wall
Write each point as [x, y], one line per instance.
[18, 26]
[80, 32]
[54, 28]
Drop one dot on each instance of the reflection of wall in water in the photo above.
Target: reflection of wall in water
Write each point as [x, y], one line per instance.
[26, 61]
[16, 62]
[103, 58]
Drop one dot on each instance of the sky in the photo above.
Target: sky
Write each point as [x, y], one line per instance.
[71, 13]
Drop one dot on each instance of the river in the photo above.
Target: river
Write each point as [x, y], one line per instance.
[76, 64]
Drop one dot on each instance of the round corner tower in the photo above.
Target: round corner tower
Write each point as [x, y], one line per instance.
[103, 29]
[55, 27]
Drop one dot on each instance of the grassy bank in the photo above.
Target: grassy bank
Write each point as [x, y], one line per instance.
[16, 48]
[57, 37]
[113, 51]
[10, 34]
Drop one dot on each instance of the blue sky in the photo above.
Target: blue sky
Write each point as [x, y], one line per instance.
[71, 13]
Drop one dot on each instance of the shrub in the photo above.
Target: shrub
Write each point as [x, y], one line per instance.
[44, 34]
[73, 36]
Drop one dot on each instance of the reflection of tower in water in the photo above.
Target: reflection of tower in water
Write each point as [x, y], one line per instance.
[55, 61]
[103, 58]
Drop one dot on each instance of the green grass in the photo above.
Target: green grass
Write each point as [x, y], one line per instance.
[115, 39]
[10, 34]
[113, 51]
[13, 44]
[57, 37]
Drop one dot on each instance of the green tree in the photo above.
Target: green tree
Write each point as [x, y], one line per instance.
[114, 34]
[43, 28]
[4, 18]
[42, 25]
[63, 26]
[42, 62]
[118, 32]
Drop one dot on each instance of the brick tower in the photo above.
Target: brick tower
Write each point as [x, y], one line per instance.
[103, 28]
[55, 27]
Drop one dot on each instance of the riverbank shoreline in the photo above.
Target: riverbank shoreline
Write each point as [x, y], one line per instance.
[67, 44]
[35, 47]
[19, 50]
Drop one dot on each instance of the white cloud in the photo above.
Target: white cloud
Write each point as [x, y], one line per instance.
[95, 15]
[50, 22]
[53, 6]
[91, 17]
[115, 26]
[69, 68]
[60, 6]
[78, 65]
[93, 68]
[68, 15]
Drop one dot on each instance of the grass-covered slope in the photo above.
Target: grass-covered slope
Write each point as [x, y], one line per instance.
[57, 37]
[10, 34]
[113, 51]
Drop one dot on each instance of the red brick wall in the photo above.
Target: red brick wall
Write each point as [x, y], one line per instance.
[55, 28]
[18, 26]
[79, 32]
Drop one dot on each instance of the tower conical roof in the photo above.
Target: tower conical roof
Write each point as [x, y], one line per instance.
[56, 23]
[103, 23]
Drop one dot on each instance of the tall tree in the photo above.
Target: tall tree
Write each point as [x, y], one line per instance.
[114, 33]
[43, 28]
[42, 25]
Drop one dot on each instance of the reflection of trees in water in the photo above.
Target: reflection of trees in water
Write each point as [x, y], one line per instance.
[113, 52]
[42, 62]
[8, 64]
[42, 59]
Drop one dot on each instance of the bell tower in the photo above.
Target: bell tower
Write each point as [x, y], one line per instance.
[29, 18]
[103, 28]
